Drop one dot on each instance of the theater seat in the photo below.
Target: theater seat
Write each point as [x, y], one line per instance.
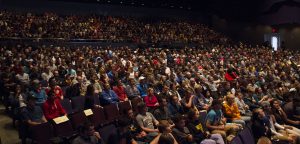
[78, 119]
[42, 133]
[112, 112]
[106, 131]
[66, 104]
[78, 103]
[247, 136]
[236, 140]
[124, 107]
[98, 117]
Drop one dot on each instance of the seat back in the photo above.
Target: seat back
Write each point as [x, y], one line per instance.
[236, 140]
[96, 100]
[247, 136]
[78, 119]
[66, 104]
[112, 112]
[64, 129]
[107, 131]
[124, 107]
[78, 103]
[134, 103]
[98, 118]
[42, 133]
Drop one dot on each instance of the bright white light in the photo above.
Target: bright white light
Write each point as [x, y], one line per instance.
[274, 43]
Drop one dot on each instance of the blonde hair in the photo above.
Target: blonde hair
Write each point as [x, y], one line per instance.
[264, 140]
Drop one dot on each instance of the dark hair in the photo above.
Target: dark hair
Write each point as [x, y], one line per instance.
[89, 90]
[124, 122]
[191, 113]
[160, 99]
[216, 102]
[141, 105]
[163, 124]
[177, 118]
[166, 138]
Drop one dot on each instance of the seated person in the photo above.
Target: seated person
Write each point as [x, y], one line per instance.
[38, 92]
[199, 132]
[292, 109]
[123, 134]
[134, 128]
[232, 112]
[281, 132]
[119, 89]
[281, 116]
[87, 135]
[151, 100]
[165, 135]
[90, 98]
[108, 96]
[181, 132]
[162, 112]
[243, 107]
[52, 107]
[216, 123]
[31, 115]
[175, 106]
[146, 120]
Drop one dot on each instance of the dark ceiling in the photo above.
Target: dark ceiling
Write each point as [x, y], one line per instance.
[241, 10]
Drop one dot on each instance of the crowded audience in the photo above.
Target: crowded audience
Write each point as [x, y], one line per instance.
[237, 85]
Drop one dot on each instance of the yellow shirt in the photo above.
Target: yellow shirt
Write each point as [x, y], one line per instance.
[232, 111]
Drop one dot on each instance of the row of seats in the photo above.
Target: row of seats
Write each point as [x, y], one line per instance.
[103, 118]
[76, 104]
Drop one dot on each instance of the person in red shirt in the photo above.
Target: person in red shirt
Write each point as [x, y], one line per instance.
[120, 91]
[151, 100]
[53, 86]
[52, 107]
[230, 75]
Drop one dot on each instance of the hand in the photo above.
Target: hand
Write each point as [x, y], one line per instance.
[221, 127]
[288, 127]
[97, 135]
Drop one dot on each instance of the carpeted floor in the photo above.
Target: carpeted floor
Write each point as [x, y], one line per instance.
[8, 134]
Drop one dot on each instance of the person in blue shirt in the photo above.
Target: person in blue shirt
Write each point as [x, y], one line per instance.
[38, 92]
[108, 96]
[142, 86]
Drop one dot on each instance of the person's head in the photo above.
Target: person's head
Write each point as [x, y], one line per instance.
[90, 90]
[165, 88]
[239, 95]
[162, 102]
[52, 82]
[36, 84]
[51, 94]
[31, 101]
[131, 81]
[106, 86]
[79, 79]
[230, 99]
[142, 108]
[216, 104]
[264, 140]
[275, 104]
[174, 99]
[130, 114]
[56, 73]
[120, 83]
[193, 115]
[166, 138]
[86, 130]
[266, 107]
[258, 114]
[164, 126]
[179, 121]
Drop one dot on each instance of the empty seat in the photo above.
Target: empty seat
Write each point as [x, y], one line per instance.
[66, 104]
[64, 130]
[98, 118]
[42, 133]
[78, 103]
[124, 107]
[111, 112]
[246, 136]
[77, 119]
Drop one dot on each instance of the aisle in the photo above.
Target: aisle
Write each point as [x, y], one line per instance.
[8, 134]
